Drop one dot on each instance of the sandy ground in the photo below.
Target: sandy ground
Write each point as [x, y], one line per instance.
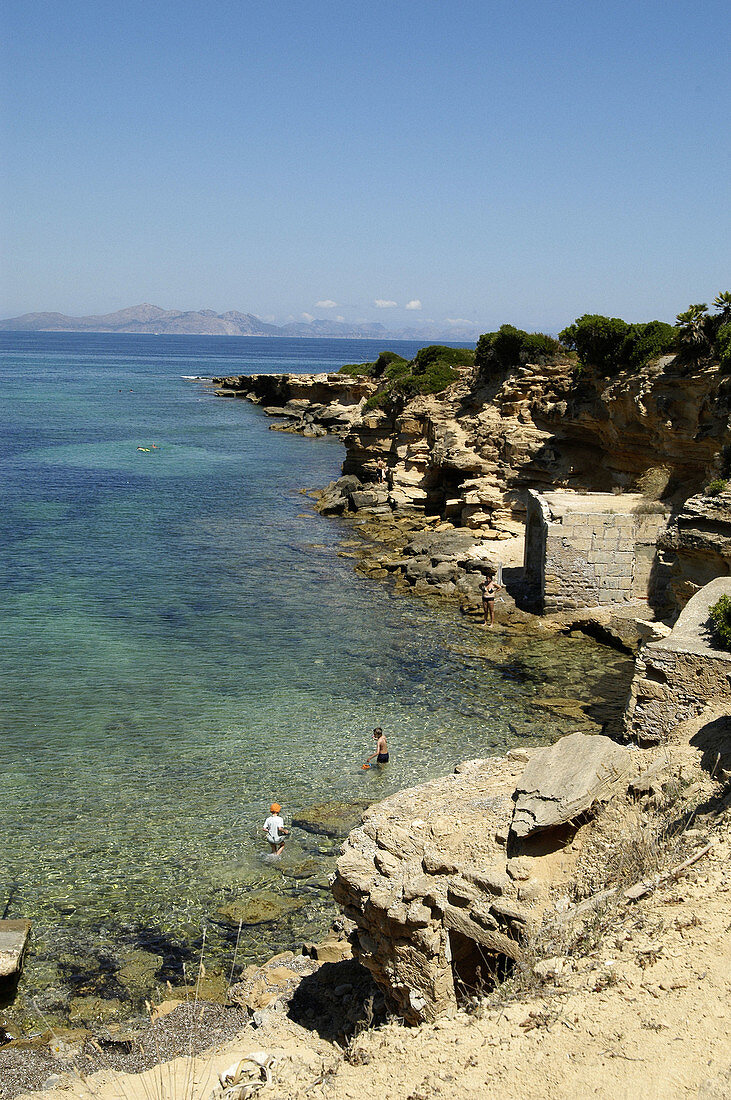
[646, 1016]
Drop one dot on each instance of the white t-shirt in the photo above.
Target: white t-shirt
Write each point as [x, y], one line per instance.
[272, 825]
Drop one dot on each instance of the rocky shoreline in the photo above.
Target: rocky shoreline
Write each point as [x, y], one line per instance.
[513, 873]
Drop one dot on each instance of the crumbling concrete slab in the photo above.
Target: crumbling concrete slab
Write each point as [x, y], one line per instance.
[566, 780]
[678, 677]
[14, 936]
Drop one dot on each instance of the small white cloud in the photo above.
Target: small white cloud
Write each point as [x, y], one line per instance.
[458, 321]
[413, 304]
[307, 317]
[384, 303]
[339, 318]
[326, 303]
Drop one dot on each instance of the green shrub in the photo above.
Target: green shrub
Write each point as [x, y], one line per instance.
[646, 342]
[715, 487]
[386, 361]
[723, 346]
[611, 344]
[430, 371]
[512, 347]
[720, 615]
[356, 370]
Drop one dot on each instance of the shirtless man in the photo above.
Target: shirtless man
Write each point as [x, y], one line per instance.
[381, 753]
[489, 591]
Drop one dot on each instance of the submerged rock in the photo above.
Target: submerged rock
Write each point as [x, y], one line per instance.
[260, 908]
[333, 819]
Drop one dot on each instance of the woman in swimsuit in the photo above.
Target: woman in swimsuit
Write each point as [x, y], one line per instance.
[489, 591]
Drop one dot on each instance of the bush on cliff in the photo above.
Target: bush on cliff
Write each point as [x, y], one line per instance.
[513, 347]
[430, 371]
[611, 344]
[720, 615]
[385, 361]
[701, 335]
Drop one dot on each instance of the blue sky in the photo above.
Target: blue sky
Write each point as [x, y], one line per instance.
[524, 162]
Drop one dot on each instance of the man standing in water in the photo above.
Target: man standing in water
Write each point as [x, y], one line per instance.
[275, 830]
[381, 753]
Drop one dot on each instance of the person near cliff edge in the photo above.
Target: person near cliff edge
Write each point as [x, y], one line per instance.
[275, 830]
[381, 753]
[489, 591]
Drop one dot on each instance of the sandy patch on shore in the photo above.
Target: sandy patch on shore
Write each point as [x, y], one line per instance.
[646, 1016]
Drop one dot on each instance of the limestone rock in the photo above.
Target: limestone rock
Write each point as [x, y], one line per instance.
[565, 780]
[14, 936]
[333, 819]
[258, 908]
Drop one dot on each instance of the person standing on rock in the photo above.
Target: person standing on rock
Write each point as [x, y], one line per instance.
[275, 830]
[489, 591]
[381, 471]
[381, 753]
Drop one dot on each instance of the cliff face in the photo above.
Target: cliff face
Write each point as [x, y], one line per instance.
[470, 454]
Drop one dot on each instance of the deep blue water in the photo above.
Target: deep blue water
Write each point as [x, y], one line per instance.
[181, 642]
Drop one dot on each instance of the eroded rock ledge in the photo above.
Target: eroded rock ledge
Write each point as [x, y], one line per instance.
[446, 880]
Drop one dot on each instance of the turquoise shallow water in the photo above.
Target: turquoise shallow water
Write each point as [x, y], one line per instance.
[181, 644]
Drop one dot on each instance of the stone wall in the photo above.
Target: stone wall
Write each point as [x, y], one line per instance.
[678, 677]
[589, 550]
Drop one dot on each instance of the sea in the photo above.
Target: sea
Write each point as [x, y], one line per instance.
[185, 640]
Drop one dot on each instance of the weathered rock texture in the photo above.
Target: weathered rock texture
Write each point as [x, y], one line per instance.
[584, 550]
[309, 403]
[566, 780]
[14, 936]
[444, 882]
[469, 455]
[677, 677]
[694, 548]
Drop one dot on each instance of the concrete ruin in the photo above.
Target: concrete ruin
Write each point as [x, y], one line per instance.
[14, 937]
[589, 549]
[677, 677]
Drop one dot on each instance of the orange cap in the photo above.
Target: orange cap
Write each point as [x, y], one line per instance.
[275, 807]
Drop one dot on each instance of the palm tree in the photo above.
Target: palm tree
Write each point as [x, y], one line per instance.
[722, 302]
[692, 331]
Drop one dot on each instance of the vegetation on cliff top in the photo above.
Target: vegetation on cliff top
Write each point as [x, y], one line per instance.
[432, 369]
[720, 615]
[611, 344]
[513, 347]
[703, 335]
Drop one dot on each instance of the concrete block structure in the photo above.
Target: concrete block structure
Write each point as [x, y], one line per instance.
[589, 549]
[681, 675]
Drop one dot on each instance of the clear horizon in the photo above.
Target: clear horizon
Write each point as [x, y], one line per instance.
[476, 164]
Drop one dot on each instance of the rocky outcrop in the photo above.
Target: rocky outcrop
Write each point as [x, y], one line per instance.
[309, 403]
[469, 455]
[566, 780]
[14, 937]
[677, 677]
[695, 548]
[444, 881]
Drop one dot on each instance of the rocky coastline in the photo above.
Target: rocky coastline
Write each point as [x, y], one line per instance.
[524, 892]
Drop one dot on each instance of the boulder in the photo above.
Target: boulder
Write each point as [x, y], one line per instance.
[333, 819]
[565, 780]
[14, 936]
[259, 908]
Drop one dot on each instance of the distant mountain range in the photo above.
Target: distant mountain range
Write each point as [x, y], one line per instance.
[206, 322]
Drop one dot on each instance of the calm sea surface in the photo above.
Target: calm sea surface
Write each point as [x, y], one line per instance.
[181, 644]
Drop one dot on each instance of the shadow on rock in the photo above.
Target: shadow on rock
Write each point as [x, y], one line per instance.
[337, 1001]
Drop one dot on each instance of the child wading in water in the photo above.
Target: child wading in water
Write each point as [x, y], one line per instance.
[489, 591]
[381, 753]
[275, 830]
